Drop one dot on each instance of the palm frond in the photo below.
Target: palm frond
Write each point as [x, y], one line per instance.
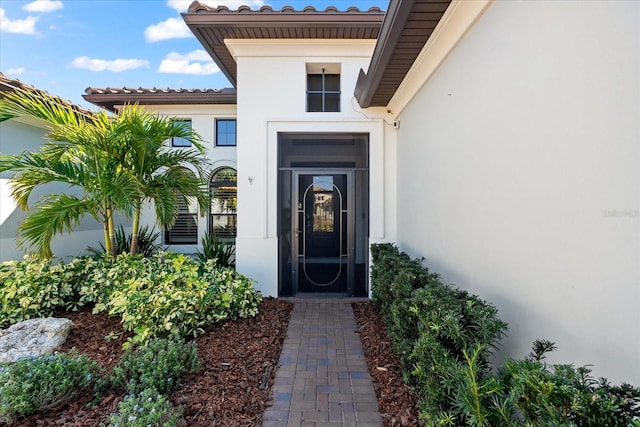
[52, 216]
[39, 105]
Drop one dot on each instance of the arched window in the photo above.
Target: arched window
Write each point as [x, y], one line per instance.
[224, 201]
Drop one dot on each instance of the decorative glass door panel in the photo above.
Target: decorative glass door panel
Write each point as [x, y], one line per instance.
[324, 231]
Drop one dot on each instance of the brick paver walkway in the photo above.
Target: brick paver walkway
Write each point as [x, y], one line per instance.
[322, 377]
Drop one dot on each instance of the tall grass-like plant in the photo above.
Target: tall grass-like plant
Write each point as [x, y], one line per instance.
[221, 251]
[147, 242]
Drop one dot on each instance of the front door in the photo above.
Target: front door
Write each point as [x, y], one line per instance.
[324, 231]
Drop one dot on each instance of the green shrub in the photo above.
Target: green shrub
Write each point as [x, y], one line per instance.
[103, 275]
[387, 262]
[38, 384]
[527, 392]
[452, 324]
[434, 328]
[160, 364]
[214, 248]
[236, 296]
[171, 294]
[394, 278]
[33, 288]
[146, 409]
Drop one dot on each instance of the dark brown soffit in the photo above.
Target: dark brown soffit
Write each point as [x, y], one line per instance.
[405, 30]
[110, 97]
[212, 26]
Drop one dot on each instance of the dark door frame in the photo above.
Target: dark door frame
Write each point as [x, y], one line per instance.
[323, 153]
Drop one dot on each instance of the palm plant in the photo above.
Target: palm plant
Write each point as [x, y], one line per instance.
[117, 163]
[80, 154]
[161, 173]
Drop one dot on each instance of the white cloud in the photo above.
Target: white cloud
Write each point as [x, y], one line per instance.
[15, 71]
[21, 26]
[179, 5]
[172, 28]
[116, 66]
[175, 28]
[43, 6]
[183, 5]
[197, 62]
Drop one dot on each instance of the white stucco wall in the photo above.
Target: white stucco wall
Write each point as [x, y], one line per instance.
[272, 99]
[519, 176]
[15, 137]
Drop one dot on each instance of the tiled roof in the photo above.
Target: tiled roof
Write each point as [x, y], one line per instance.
[144, 90]
[110, 97]
[9, 84]
[213, 25]
[200, 7]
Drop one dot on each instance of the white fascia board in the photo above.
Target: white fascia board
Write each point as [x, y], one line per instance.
[303, 48]
[455, 23]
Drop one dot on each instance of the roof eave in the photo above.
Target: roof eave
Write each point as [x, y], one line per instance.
[405, 32]
[109, 101]
[201, 18]
[368, 82]
[193, 27]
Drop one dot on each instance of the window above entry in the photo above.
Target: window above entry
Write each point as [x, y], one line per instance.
[323, 88]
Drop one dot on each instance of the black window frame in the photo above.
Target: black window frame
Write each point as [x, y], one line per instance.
[323, 92]
[235, 135]
[228, 212]
[174, 140]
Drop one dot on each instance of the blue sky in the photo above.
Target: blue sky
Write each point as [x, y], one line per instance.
[65, 46]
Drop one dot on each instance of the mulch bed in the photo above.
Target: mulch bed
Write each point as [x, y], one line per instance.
[237, 358]
[397, 403]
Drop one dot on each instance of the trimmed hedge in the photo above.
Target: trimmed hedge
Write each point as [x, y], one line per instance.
[433, 326]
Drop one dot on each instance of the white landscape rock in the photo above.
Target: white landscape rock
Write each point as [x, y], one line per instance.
[33, 338]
